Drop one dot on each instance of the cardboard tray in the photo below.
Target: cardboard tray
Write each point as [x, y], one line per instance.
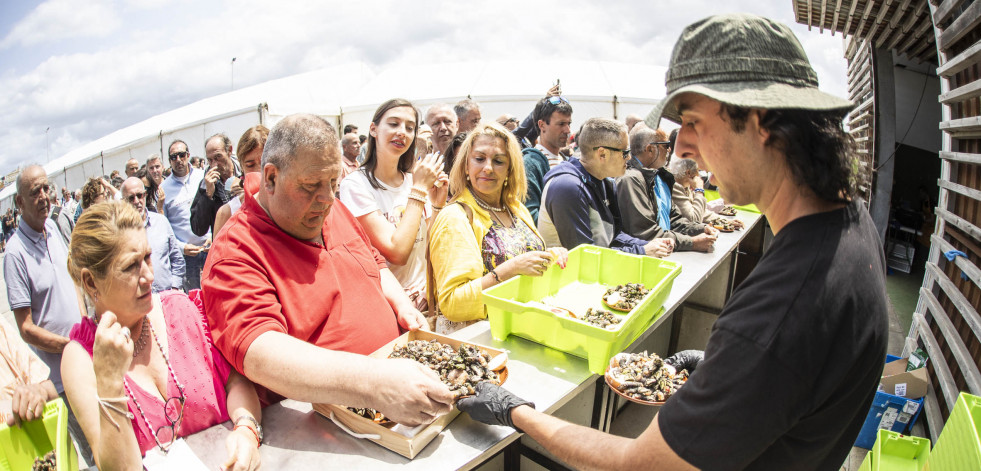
[383, 434]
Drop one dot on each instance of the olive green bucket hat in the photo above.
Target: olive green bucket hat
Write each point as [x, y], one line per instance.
[742, 60]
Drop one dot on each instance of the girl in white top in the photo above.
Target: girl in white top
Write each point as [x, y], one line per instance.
[392, 194]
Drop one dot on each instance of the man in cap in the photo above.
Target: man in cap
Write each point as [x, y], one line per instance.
[794, 359]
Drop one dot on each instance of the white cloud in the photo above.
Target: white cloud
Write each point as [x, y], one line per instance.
[63, 19]
[171, 55]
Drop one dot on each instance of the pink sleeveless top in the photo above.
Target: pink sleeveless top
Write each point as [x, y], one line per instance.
[196, 362]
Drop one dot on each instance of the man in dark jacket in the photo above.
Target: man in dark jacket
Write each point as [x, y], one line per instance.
[213, 192]
[553, 115]
[644, 194]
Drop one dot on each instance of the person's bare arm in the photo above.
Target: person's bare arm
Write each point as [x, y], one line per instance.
[405, 310]
[112, 447]
[394, 242]
[38, 336]
[586, 448]
[242, 444]
[403, 390]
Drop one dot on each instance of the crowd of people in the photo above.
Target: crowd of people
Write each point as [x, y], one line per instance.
[168, 298]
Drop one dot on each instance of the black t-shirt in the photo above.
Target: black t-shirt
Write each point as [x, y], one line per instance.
[794, 360]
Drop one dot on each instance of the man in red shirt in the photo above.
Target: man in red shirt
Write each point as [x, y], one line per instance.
[296, 295]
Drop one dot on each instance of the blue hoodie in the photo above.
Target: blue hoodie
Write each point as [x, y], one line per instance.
[578, 208]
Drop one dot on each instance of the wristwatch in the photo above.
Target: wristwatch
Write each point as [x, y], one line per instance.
[255, 423]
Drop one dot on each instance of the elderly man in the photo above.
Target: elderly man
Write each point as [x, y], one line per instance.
[442, 119]
[132, 166]
[180, 188]
[579, 203]
[644, 194]
[553, 116]
[467, 114]
[39, 289]
[795, 357]
[350, 149]
[296, 295]
[168, 262]
[213, 191]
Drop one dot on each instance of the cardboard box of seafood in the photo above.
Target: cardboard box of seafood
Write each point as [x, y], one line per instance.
[405, 441]
[555, 309]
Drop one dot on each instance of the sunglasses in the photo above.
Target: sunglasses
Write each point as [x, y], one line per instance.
[179, 155]
[625, 152]
[136, 197]
[555, 100]
[661, 143]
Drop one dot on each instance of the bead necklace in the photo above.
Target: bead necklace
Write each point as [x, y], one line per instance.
[140, 342]
[180, 388]
[486, 206]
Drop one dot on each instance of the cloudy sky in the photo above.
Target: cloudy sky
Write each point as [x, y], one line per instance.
[72, 71]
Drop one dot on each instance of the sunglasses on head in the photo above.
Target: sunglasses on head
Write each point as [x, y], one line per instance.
[555, 100]
[179, 155]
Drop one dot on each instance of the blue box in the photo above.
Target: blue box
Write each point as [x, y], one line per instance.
[888, 412]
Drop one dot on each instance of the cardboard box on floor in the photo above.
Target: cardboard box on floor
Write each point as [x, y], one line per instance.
[899, 382]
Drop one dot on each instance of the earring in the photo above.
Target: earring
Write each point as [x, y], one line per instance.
[505, 183]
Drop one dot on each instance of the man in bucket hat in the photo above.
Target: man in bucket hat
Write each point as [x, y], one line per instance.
[794, 359]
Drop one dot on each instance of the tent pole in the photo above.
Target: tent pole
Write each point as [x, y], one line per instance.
[614, 107]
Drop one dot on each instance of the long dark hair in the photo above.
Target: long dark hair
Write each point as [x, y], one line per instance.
[371, 152]
[820, 154]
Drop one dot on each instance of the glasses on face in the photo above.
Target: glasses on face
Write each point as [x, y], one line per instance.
[555, 100]
[179, 155]
[174, 411]
[135, 197]
[660, 143]
[625, 152]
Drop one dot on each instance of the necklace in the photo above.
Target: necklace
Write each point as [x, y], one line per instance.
[180, 387]
[140, 342]
[486, 206]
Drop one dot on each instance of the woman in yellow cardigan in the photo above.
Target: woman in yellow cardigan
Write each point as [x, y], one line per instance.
[487, 236]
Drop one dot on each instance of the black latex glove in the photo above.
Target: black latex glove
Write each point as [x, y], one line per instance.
[685, 360]
[492, 405]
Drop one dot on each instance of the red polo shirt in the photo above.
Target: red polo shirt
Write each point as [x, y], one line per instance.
[259, 279]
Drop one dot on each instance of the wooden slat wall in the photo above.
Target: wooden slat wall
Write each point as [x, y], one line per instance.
[861, 120]
[947, 323]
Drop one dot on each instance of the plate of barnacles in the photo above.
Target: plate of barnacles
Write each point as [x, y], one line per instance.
[625, 297]
[643, 378]
[460, 369]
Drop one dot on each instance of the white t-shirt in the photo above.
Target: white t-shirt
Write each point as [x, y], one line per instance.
[360, 198]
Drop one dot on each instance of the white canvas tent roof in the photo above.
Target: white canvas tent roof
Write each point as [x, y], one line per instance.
[350, 93]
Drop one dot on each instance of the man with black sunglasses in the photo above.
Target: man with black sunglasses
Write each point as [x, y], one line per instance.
[579, 201]
[179, 190]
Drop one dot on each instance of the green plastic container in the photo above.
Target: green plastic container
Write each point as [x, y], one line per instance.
[513, 307]
[958, 446]
[20, 445]
[896, 452]
[714, 195]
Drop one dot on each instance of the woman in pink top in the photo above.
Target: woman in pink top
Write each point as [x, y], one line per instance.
[142, 371]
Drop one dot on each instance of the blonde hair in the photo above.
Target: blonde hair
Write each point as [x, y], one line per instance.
[97, 237]
[515, 187]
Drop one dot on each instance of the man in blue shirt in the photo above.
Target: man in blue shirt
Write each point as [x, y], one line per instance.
[168, 262]
[579, 200]
[179, 190]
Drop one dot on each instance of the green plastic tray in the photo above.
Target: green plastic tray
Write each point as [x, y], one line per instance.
[895, 452]
[714, 195]
[958, 446]
[513, 309]
[20, 445]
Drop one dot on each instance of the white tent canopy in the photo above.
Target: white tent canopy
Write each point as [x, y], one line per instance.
[350, 94]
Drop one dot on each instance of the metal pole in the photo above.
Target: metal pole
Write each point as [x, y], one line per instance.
[233, 73]
[47, 147]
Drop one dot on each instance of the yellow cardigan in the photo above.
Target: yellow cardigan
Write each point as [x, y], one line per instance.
[454, 250]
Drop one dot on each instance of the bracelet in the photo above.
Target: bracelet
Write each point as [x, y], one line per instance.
[255, 434]
[492, 272]
[413, 196]
[700, 190]
[416, 191]
[437, 208]
[106, 406]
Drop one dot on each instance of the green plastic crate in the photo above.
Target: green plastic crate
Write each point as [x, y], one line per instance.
[958, 446]
[20, 445]
[512, 306]
[895, 452]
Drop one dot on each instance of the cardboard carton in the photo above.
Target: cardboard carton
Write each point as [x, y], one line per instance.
[899, 382]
